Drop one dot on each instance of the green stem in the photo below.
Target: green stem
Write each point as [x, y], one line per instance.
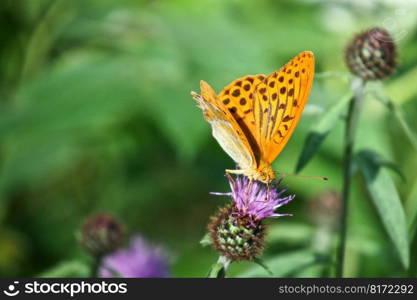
[218, 270]
[351, 123]
[95, 266]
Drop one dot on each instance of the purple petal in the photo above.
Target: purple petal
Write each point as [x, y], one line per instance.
[256, 199]
[137, 260]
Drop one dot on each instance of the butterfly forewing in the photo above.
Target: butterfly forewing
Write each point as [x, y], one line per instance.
[279, 101]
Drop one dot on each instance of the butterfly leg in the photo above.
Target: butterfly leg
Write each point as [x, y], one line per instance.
[235, 171]
[267, 194]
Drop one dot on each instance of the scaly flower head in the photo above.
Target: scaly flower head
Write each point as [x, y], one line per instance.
[371, 55]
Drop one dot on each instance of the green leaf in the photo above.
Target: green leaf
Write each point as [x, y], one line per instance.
[47, 131]
[218, 270]
[67, 269]
[379, 161]
[285, 265]
[388, 204]
[411, 209]
[290, 233]
[314, 271]
[399, 116]
[316, 137]
[403, 87]
[263, 265]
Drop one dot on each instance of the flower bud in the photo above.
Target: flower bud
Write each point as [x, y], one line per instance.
[101, 234]
[236, 236]
[371, 55]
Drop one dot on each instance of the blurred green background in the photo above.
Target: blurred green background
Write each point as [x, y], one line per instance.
[96, 116]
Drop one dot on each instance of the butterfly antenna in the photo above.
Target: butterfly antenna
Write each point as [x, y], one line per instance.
[304, 176]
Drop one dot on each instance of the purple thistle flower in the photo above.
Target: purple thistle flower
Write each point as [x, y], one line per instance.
[254, 199]
[138, 260]
[236, 230]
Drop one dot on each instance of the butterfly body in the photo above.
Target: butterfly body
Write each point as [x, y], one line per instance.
[263, 172]
[253, 117]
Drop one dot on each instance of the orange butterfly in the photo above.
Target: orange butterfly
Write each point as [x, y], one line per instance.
[254, 117]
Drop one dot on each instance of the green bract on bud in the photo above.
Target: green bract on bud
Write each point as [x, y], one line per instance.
[101, 234]
[236, 236]
[371, 55]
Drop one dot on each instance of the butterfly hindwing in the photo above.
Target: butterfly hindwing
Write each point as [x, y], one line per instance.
[238, 97]
[225, 128]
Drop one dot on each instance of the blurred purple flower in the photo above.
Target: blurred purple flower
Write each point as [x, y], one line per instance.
[138, 260]
[257, 200]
